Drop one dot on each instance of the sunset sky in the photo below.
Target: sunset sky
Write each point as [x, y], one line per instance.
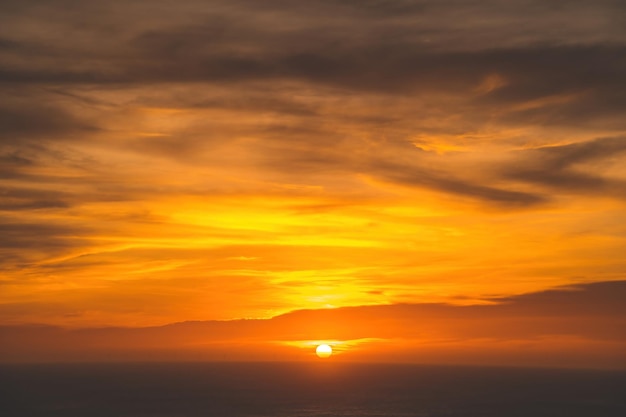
[416, 161]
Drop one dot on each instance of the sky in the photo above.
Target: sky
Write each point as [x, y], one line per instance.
[217, 161]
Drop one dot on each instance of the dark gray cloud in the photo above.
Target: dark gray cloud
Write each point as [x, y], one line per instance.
[560, 157]
[451, 184]
[15, 159]
[21, 243]
[562, 168]
[186, 55]
[21, 123]
[374, 46]
[348, 44]
[593, 299]
[25, 199]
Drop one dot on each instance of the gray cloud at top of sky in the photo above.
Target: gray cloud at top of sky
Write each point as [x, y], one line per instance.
[238, 39]
[518, 21]
[537, 49]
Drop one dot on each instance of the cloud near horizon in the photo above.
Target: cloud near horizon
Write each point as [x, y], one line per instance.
[579, 326]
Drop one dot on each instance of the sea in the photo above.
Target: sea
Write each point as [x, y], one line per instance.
[324, 388]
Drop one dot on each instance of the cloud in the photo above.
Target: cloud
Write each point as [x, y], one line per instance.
[449, 184]
[325, 126]
[594, 313]
[563, 167]
[20, 240]
[20, 123]
[599, 299]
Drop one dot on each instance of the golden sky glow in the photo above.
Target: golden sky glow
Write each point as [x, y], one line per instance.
[169, 162]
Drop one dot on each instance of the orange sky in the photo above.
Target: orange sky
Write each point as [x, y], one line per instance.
[165, 162]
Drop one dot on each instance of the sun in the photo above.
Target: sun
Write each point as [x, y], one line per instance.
[324, 351]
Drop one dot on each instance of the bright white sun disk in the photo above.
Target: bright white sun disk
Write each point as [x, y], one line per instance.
[324, 351]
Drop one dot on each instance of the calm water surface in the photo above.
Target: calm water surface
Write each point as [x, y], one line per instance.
[290, 390]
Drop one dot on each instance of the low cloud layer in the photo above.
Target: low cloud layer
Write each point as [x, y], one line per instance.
[578, 326]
